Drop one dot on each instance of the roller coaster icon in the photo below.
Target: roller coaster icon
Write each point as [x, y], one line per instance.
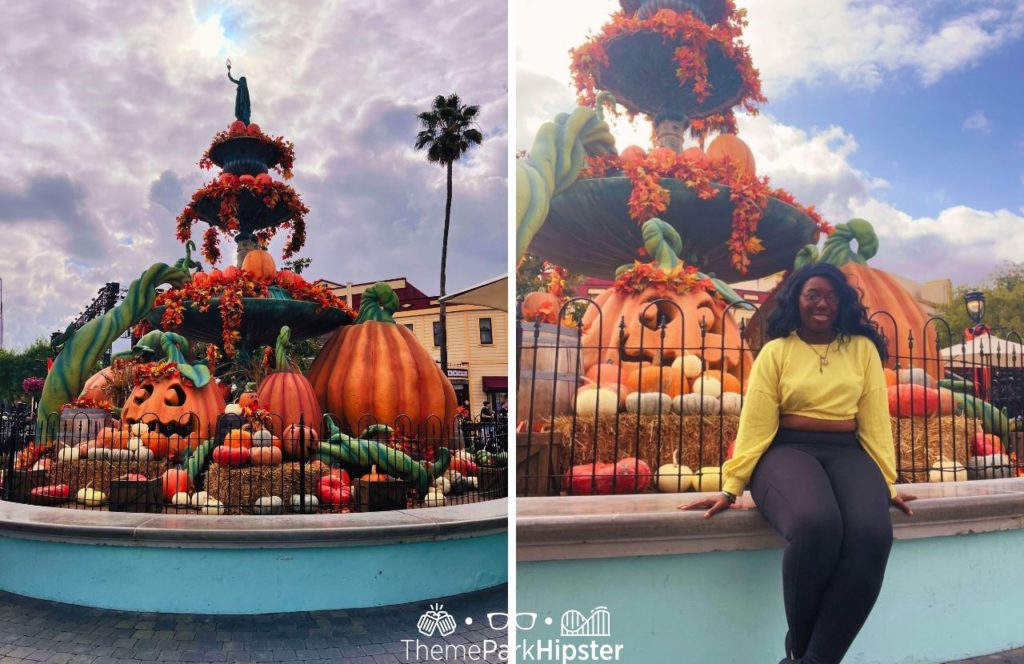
[599, 623]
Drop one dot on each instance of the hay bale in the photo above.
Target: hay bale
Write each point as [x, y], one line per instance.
[654, 440]
[918, 441]
[97, 473]
[238, 488]
[647, 437]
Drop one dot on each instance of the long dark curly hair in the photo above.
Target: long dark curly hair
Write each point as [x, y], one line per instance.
[852, 317]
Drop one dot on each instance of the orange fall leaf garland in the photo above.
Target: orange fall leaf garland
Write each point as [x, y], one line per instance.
[648, 199]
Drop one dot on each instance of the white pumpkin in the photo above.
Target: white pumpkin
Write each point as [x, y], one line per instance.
[709, 479]
[198, 499]
[945, 470]
[68, 454]
[692, 365]
[90, 497]
[915, 377]
[990, 466]
[596, 401]
[648, 403]
[134, 443]
[262, 438]
[180, 499]
[311, 503]
[268, 505]
[144, 454]
[98, 453]
[443, 485]
[434, 498]
[118, 454]
[233, 409]
[673, 478]
[696, 404]
[731, 403]
[138, 429]
[212, 506]
[707, 386]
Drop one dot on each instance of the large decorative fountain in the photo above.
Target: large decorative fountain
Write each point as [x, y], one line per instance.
[168, 455]
[644, 395]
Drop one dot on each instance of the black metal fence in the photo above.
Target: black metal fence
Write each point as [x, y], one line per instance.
[652, 402]
[240, 465]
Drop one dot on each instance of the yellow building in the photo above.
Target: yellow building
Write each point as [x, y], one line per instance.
[477, 337]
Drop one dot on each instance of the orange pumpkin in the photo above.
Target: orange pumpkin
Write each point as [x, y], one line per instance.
[287, 394]
[291, 437]
[238, 438]
[641, 340]
[174, 480]
[114, 439]
[541, 306]
[695, 156]
[259, 263]
[93, 388]
[377, 371]
[890, 376]
[729, 146]
[265, 456]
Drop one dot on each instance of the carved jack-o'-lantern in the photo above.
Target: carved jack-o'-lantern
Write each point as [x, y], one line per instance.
[174, 398]
[644, 313]
[645, 305]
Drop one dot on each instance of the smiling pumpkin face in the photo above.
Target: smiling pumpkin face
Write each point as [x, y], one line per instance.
[174, 406]
[627, 329]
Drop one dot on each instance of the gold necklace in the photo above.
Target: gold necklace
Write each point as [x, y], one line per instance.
[822, 359]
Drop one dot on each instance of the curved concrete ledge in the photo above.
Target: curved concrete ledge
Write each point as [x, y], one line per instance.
[284, 531]
[679, 586]
[568, 527]
[251, 564]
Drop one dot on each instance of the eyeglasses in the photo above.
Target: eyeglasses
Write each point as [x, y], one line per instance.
[815, 297]
[524, 621]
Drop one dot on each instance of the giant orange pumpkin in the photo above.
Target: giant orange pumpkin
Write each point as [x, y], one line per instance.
[174, 398]
[897, 313]
[287, 394]
[260, 263]
[640, 342]
[729, 146]
[93, 388]
[377, 372]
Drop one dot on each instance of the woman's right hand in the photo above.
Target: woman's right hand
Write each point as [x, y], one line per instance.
[712, 505]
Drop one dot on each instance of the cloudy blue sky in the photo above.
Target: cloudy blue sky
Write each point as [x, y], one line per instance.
[109, 105]
[907, 114]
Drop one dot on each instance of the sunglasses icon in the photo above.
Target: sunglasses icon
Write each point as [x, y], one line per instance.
[499, 621]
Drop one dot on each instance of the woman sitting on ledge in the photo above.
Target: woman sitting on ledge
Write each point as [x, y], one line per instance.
[816, 445]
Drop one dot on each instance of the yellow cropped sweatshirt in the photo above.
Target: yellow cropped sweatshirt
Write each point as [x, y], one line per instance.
[788, 378]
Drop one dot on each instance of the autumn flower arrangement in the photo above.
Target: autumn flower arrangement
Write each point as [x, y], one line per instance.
[229, 287]
[691, 37]
[86, 402]
[228, 189]
[283, 162]
[33, 384]
[748, 193]
[673, 281]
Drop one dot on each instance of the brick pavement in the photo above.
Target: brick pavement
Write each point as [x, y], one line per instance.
[38, 631]
[1008, 657]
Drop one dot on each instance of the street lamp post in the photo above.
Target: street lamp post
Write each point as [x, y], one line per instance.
[974, 302]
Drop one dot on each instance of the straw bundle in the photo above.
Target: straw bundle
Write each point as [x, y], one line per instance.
[97, 473]
[649, 438]
[238, 488]
[655, 440]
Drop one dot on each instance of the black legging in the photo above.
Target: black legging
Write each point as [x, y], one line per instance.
[827, 497]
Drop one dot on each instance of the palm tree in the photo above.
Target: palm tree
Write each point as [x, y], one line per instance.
[449, 131]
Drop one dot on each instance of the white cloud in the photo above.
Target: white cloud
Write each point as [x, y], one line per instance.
[866, 44]
[978, 121]
[959, 243]
[109, 106]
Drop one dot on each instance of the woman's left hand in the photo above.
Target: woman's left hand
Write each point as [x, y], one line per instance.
[900, 500]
